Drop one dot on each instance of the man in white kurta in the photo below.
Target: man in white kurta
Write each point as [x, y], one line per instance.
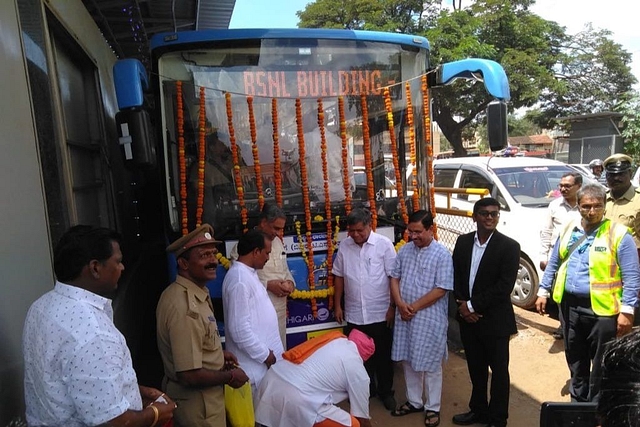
[275, 274]
[250, 321]
[301, 395]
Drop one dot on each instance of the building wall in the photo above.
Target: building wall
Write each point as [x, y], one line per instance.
[25, 260]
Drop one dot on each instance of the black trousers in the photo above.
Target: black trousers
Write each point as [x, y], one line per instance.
[379, 366]
[585, 337]
[484, 352]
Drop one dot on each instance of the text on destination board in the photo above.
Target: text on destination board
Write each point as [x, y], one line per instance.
[301, 84]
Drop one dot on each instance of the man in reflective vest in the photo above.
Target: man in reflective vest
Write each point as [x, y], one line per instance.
[595, 266]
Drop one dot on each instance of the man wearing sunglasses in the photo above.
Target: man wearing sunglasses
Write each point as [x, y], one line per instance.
[485, 266]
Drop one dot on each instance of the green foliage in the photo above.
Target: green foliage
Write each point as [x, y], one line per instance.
[631, 127]
[402, 16]
[559, 74]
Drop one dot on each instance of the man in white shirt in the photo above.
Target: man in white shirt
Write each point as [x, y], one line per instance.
[78, 369]
[275, 274]
[560, 212]
[362, 268]
[303, 391]
[250, 321]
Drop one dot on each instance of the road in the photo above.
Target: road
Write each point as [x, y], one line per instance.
[538, 373]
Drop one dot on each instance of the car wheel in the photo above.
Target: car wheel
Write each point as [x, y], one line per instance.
[525, 290]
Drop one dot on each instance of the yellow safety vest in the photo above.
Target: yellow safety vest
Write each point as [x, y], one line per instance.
[605, 280]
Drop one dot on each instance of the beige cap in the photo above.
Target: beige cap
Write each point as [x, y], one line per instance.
[617, 163]
[202, 235]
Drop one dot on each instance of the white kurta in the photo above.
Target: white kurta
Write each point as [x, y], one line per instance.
[299, 395]
[276, 268]
[250, 321]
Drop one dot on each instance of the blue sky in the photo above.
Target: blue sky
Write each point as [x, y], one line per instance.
[266, 13]
[573, 14]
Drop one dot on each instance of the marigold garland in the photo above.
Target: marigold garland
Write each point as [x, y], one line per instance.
[327, 195]
[368, 164]
[429, 150]
[223, 260]
[254, 151]
[412, 149]
[345, 156]
[304, 180]
[277, 167]
[318, 293]
[202, 123]
[236, 163]
[396, 163]
[400, 244]
[182, 160]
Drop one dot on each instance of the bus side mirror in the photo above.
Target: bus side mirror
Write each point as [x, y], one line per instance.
[497, 125]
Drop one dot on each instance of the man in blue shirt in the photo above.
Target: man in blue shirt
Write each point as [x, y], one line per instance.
[594, 264]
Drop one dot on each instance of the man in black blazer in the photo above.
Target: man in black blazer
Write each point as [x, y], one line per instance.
[485, 266]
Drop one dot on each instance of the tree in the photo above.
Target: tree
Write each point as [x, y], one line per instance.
[404, 16]
[631, 127]
[547, 69]
[593, 75]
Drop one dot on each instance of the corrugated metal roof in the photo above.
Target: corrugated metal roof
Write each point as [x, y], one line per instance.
[129, 24]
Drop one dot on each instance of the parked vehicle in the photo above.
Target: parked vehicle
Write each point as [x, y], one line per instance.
[524, 186]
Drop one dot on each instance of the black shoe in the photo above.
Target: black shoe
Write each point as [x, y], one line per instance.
[469, 418]
[389, 402]
[558, 334]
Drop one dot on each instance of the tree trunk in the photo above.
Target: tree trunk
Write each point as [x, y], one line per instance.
[451, 129]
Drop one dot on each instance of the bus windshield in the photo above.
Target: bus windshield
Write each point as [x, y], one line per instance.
[254, 72]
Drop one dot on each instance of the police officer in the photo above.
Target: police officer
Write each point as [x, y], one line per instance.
[623, 199]
[195, 366]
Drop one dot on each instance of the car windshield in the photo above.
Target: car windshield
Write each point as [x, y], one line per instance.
[533, 186]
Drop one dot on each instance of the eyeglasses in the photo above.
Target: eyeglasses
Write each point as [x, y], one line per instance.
[587, 209]
[414, 233]
[567, 186]
[486, 214]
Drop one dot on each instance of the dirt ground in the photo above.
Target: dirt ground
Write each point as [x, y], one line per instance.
[538, 374]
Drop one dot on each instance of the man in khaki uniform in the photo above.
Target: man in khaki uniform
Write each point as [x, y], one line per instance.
[195, 366]
[275, 274]
[623, 199]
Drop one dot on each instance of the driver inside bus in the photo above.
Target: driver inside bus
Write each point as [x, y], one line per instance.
[218, 175]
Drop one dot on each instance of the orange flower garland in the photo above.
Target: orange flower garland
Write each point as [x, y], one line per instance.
[345, 156]
[368, 162]
[182, 162]
[412, 147]
[327, 195]
[202, 119]
[304, 179]
[396, 163]
[254, 151]
[429, 145]
[236, 162]
[277, 168]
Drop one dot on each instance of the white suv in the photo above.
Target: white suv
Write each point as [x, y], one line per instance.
[524, 186]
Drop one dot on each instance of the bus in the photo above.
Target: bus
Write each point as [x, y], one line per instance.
[243, 117]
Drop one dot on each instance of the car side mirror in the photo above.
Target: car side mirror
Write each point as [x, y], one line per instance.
[497, 128]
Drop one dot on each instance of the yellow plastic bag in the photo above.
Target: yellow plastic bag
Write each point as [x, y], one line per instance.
[239, 406]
